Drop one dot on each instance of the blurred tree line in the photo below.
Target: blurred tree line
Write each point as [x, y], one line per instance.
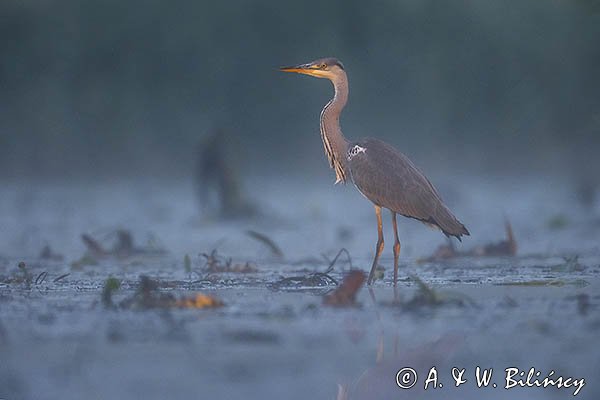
[130, 87]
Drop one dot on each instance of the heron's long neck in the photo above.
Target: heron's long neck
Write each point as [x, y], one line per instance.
[334, 141]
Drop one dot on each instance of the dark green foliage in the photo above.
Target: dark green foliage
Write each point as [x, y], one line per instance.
[112, 82]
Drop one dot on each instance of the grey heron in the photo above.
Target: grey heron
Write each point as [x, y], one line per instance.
[380, 172]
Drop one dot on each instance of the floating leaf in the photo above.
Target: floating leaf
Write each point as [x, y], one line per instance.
[199, 301]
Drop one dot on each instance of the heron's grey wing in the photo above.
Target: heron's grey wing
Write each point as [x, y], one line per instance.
[389, 179]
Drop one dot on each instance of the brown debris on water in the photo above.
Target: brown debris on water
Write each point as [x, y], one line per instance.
[122, 248]
[147, 296]
[345, 294]
[199, 301]
[506, 247]
[217, 264]
[443, 252]
[312, 280]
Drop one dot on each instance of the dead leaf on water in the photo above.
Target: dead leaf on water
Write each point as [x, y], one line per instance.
[345, 294]
[507, 247]
[199, 301]
[147, 296]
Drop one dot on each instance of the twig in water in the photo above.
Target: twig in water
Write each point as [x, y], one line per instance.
[275, 250]
[332, 263]
[41, 278]
[94, 248]
[60, 277]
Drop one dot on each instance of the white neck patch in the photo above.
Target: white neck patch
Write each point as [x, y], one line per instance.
[354, 151]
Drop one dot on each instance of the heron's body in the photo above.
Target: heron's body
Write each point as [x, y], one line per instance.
[380, 172]
[405, 191]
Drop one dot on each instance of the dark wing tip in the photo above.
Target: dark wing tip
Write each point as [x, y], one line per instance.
[463, 232]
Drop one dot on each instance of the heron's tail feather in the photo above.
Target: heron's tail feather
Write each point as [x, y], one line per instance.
[449, 225]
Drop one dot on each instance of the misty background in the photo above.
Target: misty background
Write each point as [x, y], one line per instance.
[113, 88]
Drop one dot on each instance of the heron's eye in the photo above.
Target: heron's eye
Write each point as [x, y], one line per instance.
[322, 66]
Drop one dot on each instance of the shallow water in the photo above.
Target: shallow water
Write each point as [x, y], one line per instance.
[57, 340]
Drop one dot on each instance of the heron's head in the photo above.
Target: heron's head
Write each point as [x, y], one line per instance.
[328, 68]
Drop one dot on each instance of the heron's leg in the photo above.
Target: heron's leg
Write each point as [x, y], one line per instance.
[396, 247]
[379, 247]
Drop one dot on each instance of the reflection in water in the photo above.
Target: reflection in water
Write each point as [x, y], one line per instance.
[379, 381]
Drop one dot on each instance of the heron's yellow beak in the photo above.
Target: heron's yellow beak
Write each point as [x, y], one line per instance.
[306, 69]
